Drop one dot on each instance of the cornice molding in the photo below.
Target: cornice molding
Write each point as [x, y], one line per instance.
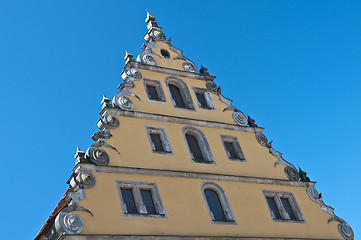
[188, 174]
[176, 72]
[180, 120]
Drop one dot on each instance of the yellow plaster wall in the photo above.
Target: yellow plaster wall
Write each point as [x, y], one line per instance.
[131, 140]
[163, 62]
[167, 108]
[186, 212]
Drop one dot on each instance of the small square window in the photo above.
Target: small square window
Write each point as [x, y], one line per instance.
[283, 206]
[232, 148]
[158, 140]
[204, 99]
[140, 199]
[154, 90]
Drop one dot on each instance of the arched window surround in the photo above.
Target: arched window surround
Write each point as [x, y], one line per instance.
[226, 207]
[184, 91]
[202, 142]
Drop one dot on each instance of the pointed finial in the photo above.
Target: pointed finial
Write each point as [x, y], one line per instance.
[128, 57]
[105, 101]
[149, 18]
[204, 71]
[79, 155]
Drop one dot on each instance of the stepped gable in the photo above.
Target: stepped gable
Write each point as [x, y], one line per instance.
[143, 146]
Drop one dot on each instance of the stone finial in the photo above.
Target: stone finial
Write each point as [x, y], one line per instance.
[149, 18]
[105, 101]
[252, 122]
[128, 57]
[303, 176]
[79, 155]
[204, 71]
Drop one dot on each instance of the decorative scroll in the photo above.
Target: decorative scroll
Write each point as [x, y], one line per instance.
[240, 118]
[85, 179]
[70, 223]
[125, 103]
[262, 139]
[147, 59]
[292, 173]
[212, 87]
[112, 121]
[97, 156]
[344, 229]
[189, 67]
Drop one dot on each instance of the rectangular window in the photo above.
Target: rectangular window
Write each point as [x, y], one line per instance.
[283, 206]
[273, 207]
[158, 140]
[154, 90]
[204, 99]
[148, 201]
[129, 201]
[140, 199]
[232, 148]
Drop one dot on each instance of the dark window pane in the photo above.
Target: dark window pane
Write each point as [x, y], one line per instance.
[177, 96]
[148, 201]
[287, 207]
[157, 142]
[194, 148]
[272, 204]
[129, 200]
[231, 152]
[152, 92]
[214, 205]
[202, 100]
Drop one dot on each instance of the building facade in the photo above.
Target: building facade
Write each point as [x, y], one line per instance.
[175, 160]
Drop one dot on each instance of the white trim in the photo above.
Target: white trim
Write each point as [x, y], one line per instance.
[222, 196]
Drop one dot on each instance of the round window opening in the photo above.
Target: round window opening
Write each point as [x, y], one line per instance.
[165, 53]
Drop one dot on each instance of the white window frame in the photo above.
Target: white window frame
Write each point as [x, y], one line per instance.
[158, 88]
[163, 136]
[207, 96]
[236, 146]
[277, 195]
[186, 96]
[226, 207]
[136, 187]
[203, 144]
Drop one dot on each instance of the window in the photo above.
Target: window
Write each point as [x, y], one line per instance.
[176, 96]
[283, 206]
[158, 140]
[154, 90]
[232, 148]
[140, 199]
[217, 203]
[165, 53]
[179, 93]
[197, 144]
[204, 99]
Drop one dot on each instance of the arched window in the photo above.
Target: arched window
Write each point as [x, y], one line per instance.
[197, 144]
[176, 96]
[179, 93]
[217, 203]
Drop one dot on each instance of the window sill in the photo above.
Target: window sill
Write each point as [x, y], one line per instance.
[206, 162]
[163, 152]
[228, 222]
[288, 220]
[144, 215]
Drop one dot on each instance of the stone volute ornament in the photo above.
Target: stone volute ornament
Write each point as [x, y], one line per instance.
[344, 229]
[69, 223]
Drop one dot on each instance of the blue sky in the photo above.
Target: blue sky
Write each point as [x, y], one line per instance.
[294, 66]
